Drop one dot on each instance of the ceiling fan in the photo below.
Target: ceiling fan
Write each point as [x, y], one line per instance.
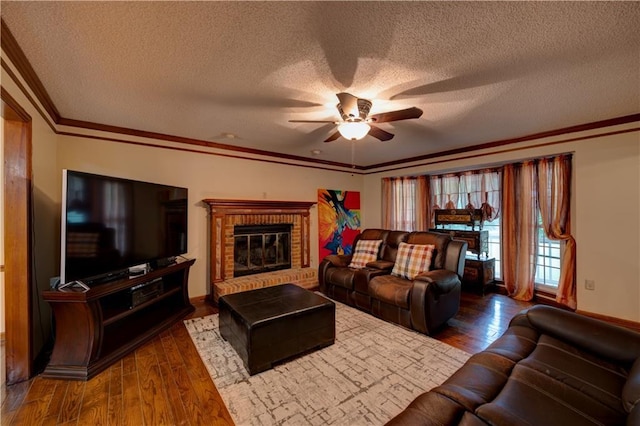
[356, 125]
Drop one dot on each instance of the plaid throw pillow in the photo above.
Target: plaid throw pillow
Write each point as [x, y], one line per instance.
[412, 259]
[366, 251]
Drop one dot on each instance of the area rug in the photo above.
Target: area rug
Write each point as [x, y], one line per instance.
[371, 373]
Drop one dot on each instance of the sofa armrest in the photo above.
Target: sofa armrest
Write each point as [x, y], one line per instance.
[633, 419]
[339, 260]
[429, 409]
[602, 339]
[435, 297]
[383, 265]
[456, 253]
[444, 280]
[331, 261]
[631, 389]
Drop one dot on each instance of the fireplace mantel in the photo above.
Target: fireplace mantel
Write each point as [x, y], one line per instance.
[225, 214]
[264, 206]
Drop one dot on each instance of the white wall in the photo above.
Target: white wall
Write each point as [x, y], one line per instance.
[206, 176]
[46, 224]
[605, 210]
[608, 224]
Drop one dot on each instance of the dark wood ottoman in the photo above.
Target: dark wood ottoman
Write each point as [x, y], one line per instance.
[271, 324]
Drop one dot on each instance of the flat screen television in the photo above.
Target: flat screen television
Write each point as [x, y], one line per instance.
[111, 224]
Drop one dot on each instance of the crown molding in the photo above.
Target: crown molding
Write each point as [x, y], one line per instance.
[11, 109]
[558, 132]
[190, 141]
[19, 59]
[16, 55]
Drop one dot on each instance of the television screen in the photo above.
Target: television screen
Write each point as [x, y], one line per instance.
[110, 224]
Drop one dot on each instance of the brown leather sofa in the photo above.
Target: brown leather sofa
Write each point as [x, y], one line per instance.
[423, 304]
[551, 367]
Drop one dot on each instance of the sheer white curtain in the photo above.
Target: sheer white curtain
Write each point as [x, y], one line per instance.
[481, 190]
[405, 203]
[409, 202]
[478, 189]
[445, 192]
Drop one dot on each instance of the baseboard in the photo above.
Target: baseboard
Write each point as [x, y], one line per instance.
[549, 299]
[539, 297]
[200, 299]
[499, 288]
[613, 320]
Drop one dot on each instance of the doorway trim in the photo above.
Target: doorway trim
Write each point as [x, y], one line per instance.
[17, 169]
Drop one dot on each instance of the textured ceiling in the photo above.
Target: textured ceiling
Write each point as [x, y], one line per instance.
[480, 71]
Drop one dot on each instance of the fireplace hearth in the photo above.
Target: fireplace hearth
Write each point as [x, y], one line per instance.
[261, 248]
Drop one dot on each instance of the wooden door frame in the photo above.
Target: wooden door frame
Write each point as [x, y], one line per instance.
[17, 169]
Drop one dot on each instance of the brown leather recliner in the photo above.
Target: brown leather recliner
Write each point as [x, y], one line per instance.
[423, 304]
[361, 295]
[551, 367]
[335, 278]
[433, 297]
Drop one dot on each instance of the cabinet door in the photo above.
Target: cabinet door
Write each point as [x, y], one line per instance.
[479, 273]
[471, 274]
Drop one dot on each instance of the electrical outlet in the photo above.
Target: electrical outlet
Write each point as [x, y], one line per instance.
[589, 284]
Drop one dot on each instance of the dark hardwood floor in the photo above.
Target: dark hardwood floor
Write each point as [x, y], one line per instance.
[165, 382]
[480, 321]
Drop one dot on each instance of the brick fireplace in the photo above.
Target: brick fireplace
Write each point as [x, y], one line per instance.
[225, 215]
[261, 248]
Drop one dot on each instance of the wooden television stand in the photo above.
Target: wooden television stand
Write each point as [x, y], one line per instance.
[96, 327]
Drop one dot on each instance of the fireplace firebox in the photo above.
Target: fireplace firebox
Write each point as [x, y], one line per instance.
[261, 248]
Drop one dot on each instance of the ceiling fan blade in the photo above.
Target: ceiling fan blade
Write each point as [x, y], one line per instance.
[333, 137]
[349, 104]
[402, 114]
[312, 121]
[378, 133]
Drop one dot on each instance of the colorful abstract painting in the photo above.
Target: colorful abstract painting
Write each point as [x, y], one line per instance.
[338, 221]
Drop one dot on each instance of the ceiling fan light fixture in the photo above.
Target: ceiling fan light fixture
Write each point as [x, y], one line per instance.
[354, 112]
[354, 130]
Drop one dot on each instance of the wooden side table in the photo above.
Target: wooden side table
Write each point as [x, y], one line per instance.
[478, 274]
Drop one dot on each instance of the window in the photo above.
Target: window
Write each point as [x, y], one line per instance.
[478, 189]
[406, 203]
[494, 244]
[547, 261]
[493, 228]
[405, 199]
[473, 189]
